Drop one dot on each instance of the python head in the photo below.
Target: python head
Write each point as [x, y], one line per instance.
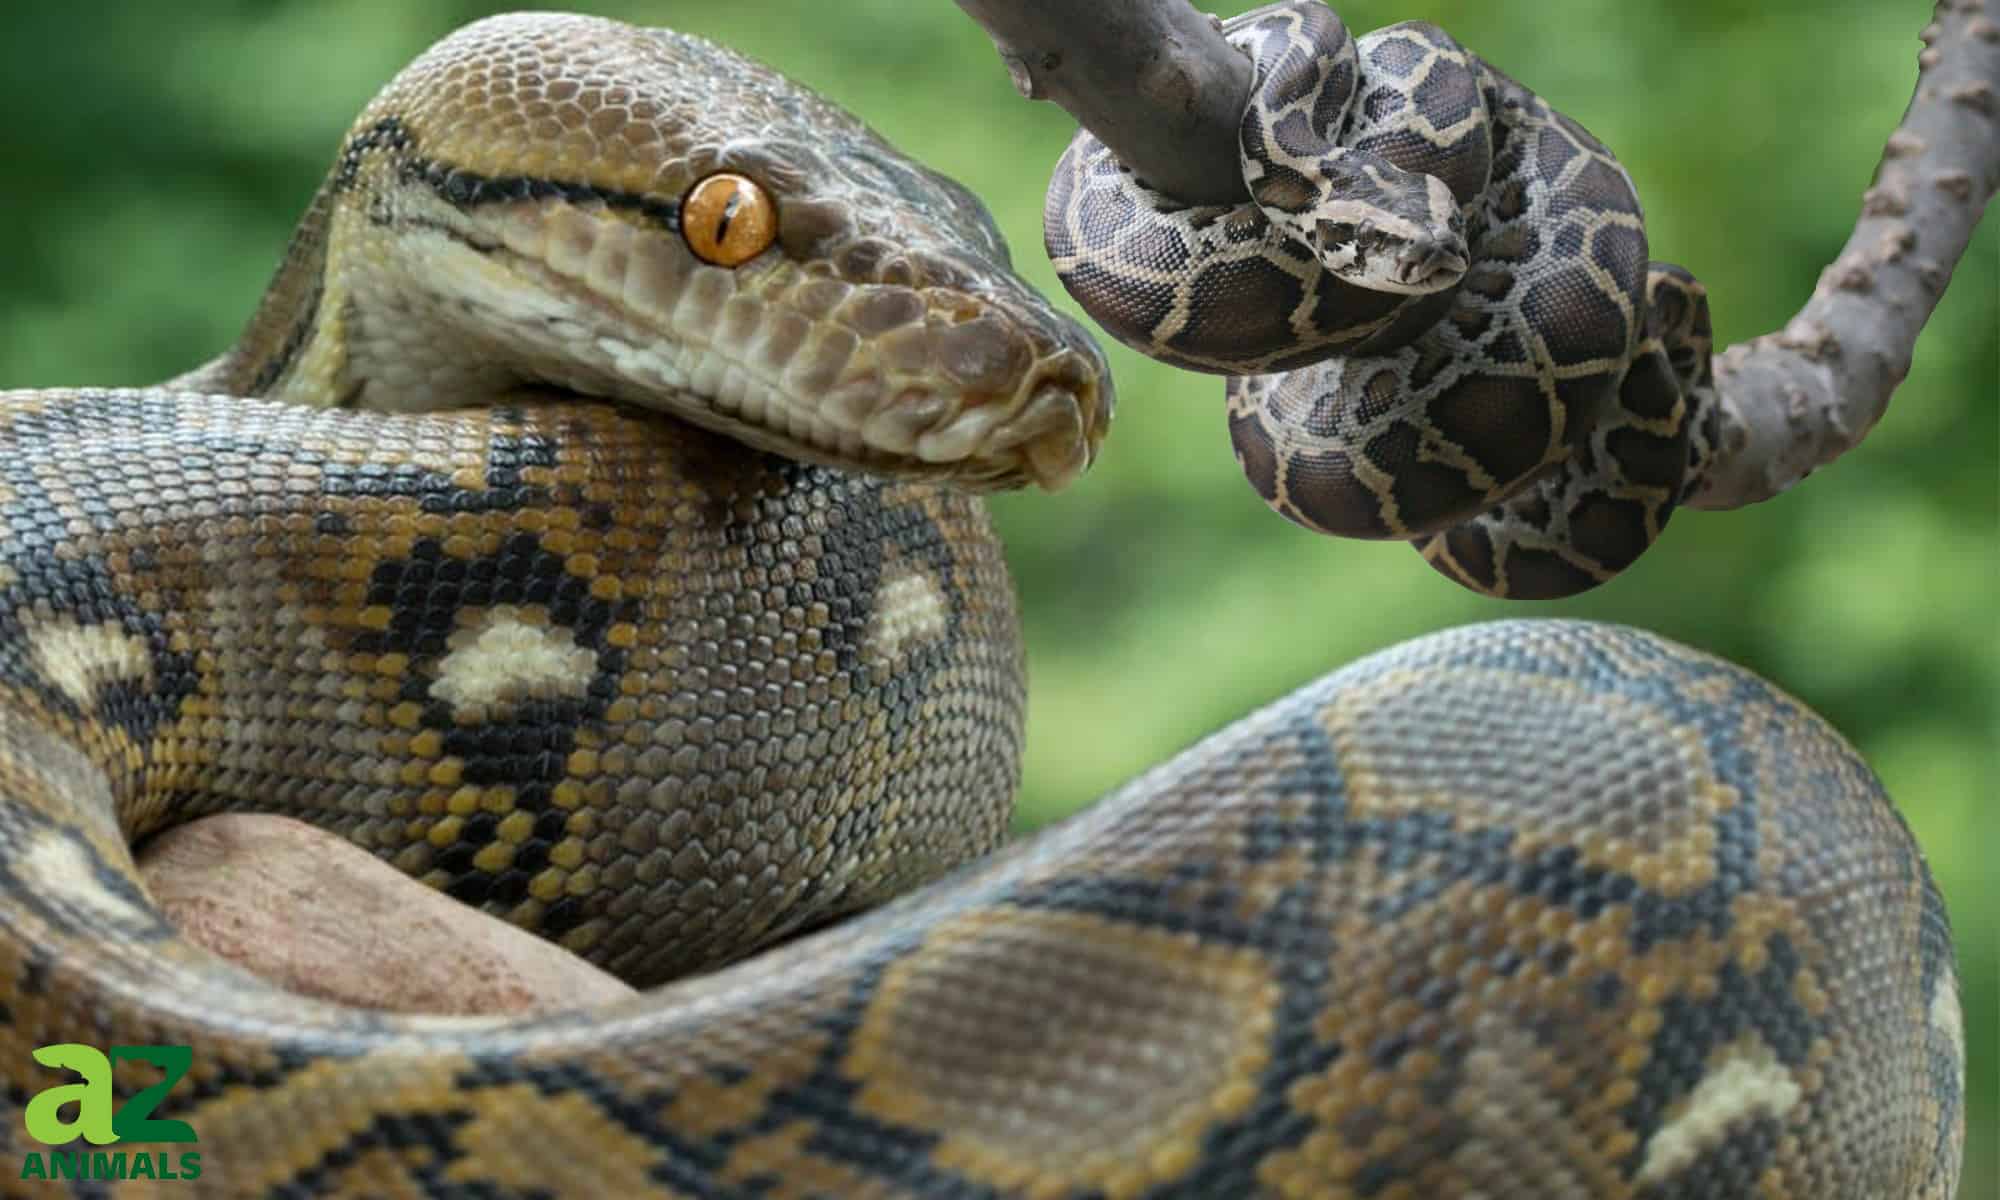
[1390, 230]
[641, 216]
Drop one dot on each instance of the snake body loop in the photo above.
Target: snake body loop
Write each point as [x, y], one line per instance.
[1369, 221]
[1503, 415]
[1528, 909]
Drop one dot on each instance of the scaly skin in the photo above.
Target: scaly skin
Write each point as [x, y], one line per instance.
[1522, 910]
[1436, 308]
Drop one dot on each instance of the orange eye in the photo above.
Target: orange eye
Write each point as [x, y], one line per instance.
[728, 220]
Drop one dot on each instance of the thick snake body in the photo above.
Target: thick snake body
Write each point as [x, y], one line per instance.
[1436, 309]
[1529, 909]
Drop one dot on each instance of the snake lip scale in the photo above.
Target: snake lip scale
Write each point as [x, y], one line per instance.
[563, 529]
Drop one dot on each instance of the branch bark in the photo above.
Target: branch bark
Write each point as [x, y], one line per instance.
[1797, 399]
[1156, 82]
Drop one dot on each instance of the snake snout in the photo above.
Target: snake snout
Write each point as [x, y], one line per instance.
[1434, 252]
[997, 405]
[982, 385]
[1430, 263]
[1061, 425]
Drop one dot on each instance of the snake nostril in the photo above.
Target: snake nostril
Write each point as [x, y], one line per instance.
[1427, 256]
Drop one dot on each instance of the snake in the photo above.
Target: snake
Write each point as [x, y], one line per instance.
[1434, 305]
[589, 523]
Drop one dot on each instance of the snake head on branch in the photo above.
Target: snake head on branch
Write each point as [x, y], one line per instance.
[631, 215]
[1372, 222]
[1391, 231]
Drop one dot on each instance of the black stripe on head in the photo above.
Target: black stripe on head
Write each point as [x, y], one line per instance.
[388, 133]
[296, 336]
[463, 190]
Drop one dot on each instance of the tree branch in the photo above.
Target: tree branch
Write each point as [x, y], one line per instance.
[1797, 399]
[1153, 80]
[1156, 82]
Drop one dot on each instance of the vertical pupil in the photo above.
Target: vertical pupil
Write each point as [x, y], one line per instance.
[728, 213]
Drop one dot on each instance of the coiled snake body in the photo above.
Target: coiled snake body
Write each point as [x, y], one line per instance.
[1527, 909]
[1438, 312]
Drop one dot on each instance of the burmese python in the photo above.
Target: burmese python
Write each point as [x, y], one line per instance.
[1435, 307]
[1525, 909]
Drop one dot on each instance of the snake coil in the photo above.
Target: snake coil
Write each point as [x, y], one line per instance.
[677, 637]
[1436, 308]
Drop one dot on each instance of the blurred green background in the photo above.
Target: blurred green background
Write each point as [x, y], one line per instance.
[156, 156]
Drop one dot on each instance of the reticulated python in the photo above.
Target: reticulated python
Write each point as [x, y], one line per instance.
[1436, 307]
[1526, 909]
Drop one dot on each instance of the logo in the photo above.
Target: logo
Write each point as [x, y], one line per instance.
[58, 1116]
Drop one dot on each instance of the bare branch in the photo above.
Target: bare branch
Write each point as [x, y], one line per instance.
[1797, 399]
[1156, 82]
[1153, 79]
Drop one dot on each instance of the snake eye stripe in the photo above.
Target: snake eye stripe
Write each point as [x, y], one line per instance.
[466, 189]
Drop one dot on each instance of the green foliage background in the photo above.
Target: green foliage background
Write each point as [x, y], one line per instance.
[155, 157]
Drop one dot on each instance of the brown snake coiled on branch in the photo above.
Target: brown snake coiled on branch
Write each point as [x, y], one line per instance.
[1525, 909]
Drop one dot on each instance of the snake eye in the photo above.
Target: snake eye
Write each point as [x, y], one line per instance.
[728, 219]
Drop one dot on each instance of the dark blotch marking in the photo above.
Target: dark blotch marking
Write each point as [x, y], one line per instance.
[1648, 460]
[1105, 208]
[425, 1142]
[1128, 312]
[1383, 102]
[1597, 186]
[1462, 165]
[1621, 251]
[1552, 155]
[1564, 305]
[1536, 574]
[1255, 454]
[1331, 101]
[1154, 248]
[1323, 488]
[1239, 310]
[1397, 55]
[1429, 495]
[1282, 188]
[1609, 531]
[1341, 304]
[1294, 133]
[1501, 422]
[1464, 553]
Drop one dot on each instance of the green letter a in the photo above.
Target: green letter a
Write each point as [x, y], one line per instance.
[92, 1097]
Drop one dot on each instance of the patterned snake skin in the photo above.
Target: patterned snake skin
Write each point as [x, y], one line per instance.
[1529, 909]
[1436, 308]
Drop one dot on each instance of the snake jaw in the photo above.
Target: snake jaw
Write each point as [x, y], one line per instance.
[1432, 264]
[945, 373]
[883, 329]
[1391, 231]
[1412, 247]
